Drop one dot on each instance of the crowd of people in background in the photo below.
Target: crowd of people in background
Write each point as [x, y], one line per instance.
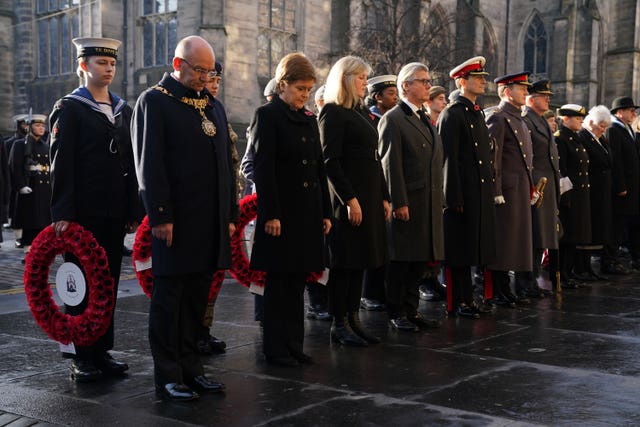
[402, 191]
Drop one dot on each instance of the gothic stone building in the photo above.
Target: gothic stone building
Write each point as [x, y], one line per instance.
[590, 49]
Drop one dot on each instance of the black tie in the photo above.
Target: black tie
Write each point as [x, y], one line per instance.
[423, 117]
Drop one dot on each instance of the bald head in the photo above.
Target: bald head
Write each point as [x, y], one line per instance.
[194, 57]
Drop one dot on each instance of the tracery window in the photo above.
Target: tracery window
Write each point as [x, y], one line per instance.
[535, 47]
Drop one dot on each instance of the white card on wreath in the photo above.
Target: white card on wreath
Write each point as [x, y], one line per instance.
[68, 348]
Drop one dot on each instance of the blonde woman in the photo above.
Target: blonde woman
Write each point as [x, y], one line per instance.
[358, 195]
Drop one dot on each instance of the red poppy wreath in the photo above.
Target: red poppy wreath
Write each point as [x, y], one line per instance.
[141, 258]
[240, 267]
[85, 328]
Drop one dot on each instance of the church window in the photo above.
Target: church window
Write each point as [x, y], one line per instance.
[535, 47]
[158, 24]
[277, 34]
[57, 24]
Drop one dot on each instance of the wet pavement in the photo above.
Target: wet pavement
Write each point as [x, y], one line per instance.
[570, 360]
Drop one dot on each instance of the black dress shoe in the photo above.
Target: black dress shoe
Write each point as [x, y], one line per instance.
[84, 371]
[569, 284]
[616, 269]
[341, 332]
[533, 293]
[301, 357]
[203, 384]
[599, 276]
[483, 307]
[423, 323]
[522, 299]
[283, 361]
[403, 324]
[175, 391]
[425, 293]
[317, 312]
[371, 304]
[358, 328]
[504, 300]
[109, 366]
[210, 345]
[583, 277]
[469, 312]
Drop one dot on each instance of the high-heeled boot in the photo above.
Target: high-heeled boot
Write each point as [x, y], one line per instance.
[358, 328]
[341, 332]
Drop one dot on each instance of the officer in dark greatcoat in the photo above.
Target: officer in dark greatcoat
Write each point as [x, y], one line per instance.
[514, 188]
[575, 204]
[22, 129]
[29, 165]
[544, 215]
[93, 180]
[469, 216]
[184, 171]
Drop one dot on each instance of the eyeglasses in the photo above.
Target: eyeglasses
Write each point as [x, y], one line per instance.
[209, 73]
[425, 82]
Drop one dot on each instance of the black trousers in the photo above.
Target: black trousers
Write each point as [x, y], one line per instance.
[110, 235]
[318, 294]
[345, 290]
[461, 285]
[402, 287]
[283, 330]
[626, 230]
[373, 286]
[178, 304]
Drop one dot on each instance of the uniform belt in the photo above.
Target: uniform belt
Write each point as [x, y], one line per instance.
[38, 168]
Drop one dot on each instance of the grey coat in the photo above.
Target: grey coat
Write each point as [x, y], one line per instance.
[412, 166]
[546, 163]
[513, 181]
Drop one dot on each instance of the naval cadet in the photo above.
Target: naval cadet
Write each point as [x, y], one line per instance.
[575, 203]
[469, 215]
[29, 165]
[93, 180]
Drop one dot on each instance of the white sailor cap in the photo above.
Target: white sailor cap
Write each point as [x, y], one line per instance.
[377, 83]
[572, 110]
[96, 46]
[37, 118]
[270, 88]
[473, 66]
[20, 118]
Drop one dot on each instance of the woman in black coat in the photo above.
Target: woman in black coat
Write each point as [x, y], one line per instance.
[358, 194]
[601, 181]
[293, 207]
[29, 165]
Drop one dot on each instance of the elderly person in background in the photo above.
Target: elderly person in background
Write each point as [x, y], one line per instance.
[293, 207]
[318, 98]
[358, 195]
[601, 181]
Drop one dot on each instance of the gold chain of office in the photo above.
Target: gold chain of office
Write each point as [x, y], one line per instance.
[208, 127]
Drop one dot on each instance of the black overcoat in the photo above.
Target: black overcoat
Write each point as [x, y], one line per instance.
[513, 165]
[185, 178]
[291, 183]
[350, 146]
[468, 183]
[546, 163]
[92, 172]
[575, 204]
[29, 165]
[412, 166]
[601, 181]
[626, 170]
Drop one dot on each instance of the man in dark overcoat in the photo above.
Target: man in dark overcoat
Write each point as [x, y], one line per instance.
[469, 215]
[626, 185]
[544, 215]
[186, 182]
[513, 186]
[412, 166]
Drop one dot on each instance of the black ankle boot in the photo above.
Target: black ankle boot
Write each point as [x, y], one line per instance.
[341, 332]
[358, 328]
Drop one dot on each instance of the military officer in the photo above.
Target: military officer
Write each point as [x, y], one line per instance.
[469, 215]
[575, 204]
[544, 215]
[513, 186]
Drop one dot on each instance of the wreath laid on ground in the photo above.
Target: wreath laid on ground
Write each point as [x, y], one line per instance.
[85, 328]
[240, 265]
[141, 258]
